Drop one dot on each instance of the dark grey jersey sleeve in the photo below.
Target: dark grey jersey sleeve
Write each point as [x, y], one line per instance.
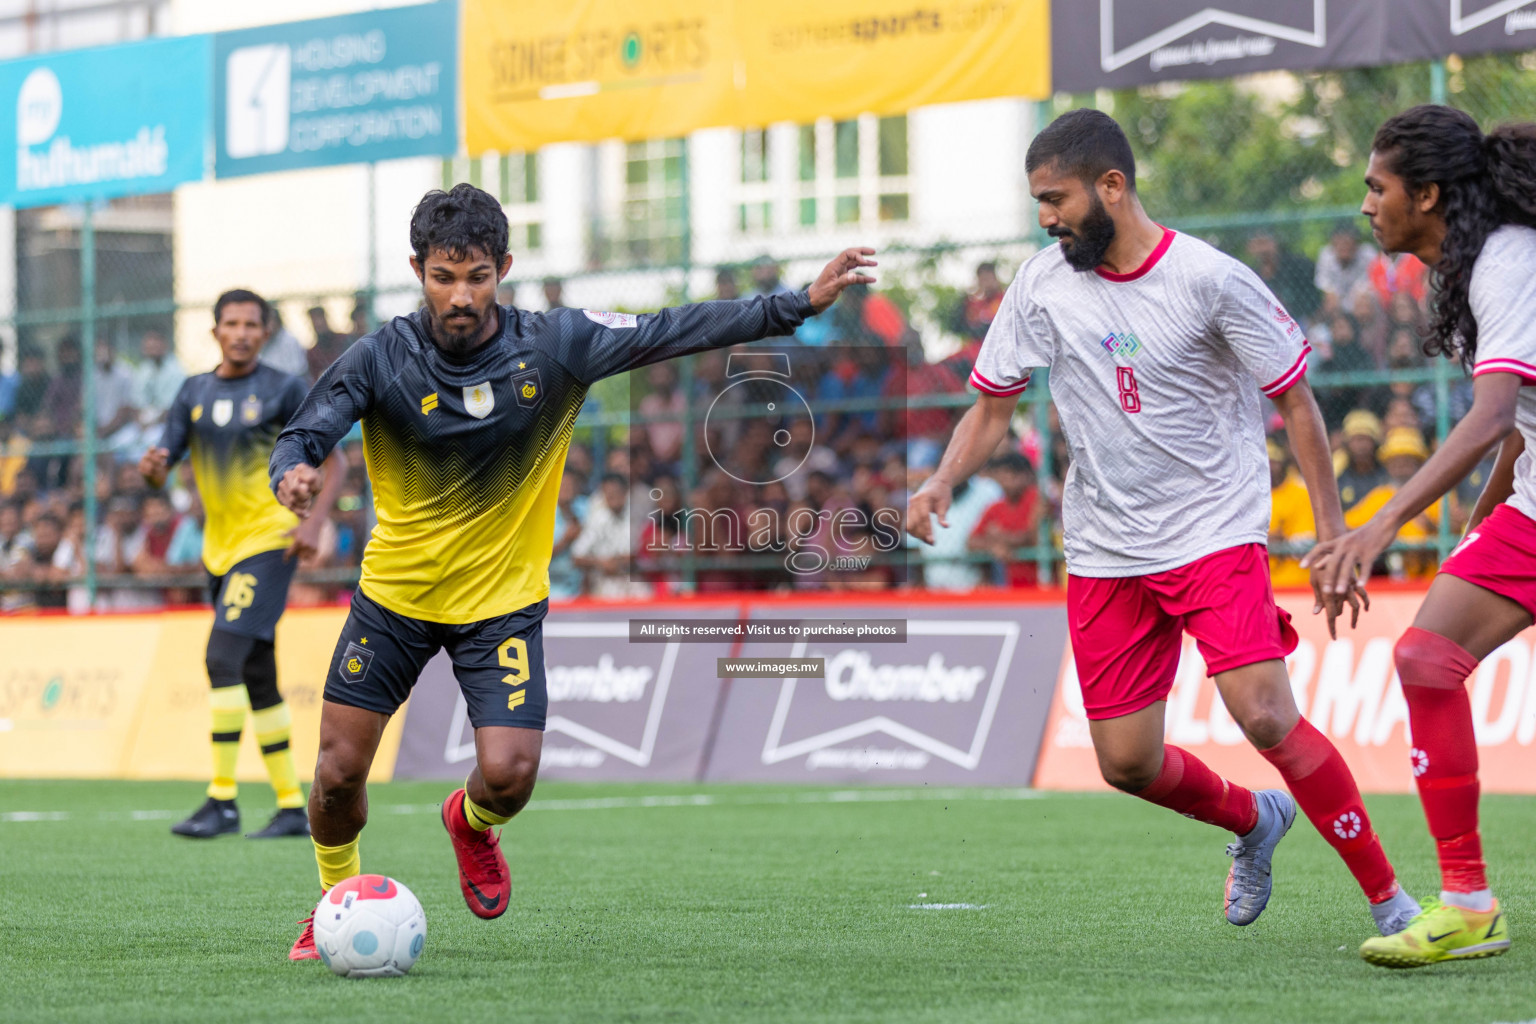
[603, 344]
[343, 395]
[178, 424]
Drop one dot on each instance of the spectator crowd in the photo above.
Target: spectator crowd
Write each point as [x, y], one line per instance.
[672, 502]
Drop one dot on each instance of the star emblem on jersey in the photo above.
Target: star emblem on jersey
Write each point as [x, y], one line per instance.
[1347, 825]
[354, 663]
[528, 387]
[1121, 345]
[479, 400]
[223, 411]
[429, 403]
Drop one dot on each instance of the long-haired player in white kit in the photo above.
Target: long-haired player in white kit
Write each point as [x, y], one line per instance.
[1465, 204]
[1159, 347]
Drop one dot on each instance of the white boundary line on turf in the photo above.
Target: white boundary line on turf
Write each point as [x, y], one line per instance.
[842, 796]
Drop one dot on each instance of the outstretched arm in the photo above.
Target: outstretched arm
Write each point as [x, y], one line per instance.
[1309, 444]
[1492, 417]
[976, 437]
[605, 346]
[1501, 482]
[342, 395]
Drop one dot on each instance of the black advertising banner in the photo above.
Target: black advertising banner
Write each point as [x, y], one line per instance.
[962, 702]
[617, 710]
[1436, 28]
[940, 693]
[1117, 43]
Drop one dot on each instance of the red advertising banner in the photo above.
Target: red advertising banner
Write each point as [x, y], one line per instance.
[1347, 688]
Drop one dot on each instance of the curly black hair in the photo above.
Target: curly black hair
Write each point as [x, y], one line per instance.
[458, 222]
[1486, 181]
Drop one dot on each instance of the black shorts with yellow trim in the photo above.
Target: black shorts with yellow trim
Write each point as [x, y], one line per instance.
[499, 662]
[250, 598]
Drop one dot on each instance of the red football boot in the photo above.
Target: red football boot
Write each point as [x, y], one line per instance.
[483, 874]
[304, 947]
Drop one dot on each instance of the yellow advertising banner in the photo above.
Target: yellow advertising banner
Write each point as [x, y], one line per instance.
[599, 69]
[126, 696]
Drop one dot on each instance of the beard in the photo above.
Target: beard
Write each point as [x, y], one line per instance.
[456, 336]
[1085, 247]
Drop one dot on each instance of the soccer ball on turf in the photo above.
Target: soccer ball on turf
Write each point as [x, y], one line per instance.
[369, 927]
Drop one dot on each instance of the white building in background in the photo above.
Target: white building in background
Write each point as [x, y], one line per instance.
[596, 215]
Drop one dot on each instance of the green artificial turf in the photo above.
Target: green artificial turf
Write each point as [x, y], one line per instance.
[692, 903]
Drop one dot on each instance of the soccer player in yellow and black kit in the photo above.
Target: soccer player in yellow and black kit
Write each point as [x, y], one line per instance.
[227, 420]
[467, 410]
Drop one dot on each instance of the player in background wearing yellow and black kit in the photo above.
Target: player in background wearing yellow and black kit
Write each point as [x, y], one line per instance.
[228, 420]
[467, 410]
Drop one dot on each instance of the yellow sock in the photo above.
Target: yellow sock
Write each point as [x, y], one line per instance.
[228, 704]
[478, 817]
[273, 728]
[337, 863]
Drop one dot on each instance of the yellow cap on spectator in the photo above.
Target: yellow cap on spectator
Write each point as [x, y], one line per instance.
[1403, 441]
[1362, 423]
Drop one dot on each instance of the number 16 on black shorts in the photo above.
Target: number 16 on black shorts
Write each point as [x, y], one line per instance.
[498, 662]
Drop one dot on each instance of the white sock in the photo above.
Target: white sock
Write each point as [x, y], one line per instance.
[1480, 901]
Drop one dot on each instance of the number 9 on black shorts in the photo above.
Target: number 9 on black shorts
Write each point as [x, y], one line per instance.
[499, 662]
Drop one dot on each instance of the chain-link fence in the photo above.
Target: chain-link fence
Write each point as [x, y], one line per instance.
[1268, 168]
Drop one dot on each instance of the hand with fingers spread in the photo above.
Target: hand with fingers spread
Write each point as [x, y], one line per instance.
[1333, 603]
[1336, 566]
[842, 272]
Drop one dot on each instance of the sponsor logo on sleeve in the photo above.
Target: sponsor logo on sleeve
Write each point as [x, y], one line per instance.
[617, 321]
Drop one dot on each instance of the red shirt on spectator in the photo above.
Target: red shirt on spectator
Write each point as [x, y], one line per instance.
[1391, 274]
[1014, 517]
[926, 379]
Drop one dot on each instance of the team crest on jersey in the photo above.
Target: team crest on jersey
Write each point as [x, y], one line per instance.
[250, 410]
[528, 388]
[1121, 346]
[479, 400]
[223, 411]
[617, 321]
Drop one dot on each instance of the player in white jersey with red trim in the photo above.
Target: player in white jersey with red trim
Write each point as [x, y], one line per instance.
[1465, 204]
[1159, 348]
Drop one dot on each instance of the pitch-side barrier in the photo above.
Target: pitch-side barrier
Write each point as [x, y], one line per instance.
[975, 689]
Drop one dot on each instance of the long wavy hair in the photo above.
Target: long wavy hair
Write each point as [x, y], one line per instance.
[1485, 181]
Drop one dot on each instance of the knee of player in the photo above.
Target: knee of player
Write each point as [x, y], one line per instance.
[339, 775]
[1266, 723]
[510, 776]
[260, 675]
[1128, 773]
[226, 657]
[1412, 654]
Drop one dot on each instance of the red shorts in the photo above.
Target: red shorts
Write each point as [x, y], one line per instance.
[1500, 555]
[1127, 631]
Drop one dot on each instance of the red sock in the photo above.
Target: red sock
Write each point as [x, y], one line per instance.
[1326, 792]
[1186, 785]
[1434, 670]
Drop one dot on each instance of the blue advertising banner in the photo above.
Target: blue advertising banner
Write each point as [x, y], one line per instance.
[92, 124]
[350, 89]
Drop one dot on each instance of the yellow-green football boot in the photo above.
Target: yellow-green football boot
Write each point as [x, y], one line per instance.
[1441, 932]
